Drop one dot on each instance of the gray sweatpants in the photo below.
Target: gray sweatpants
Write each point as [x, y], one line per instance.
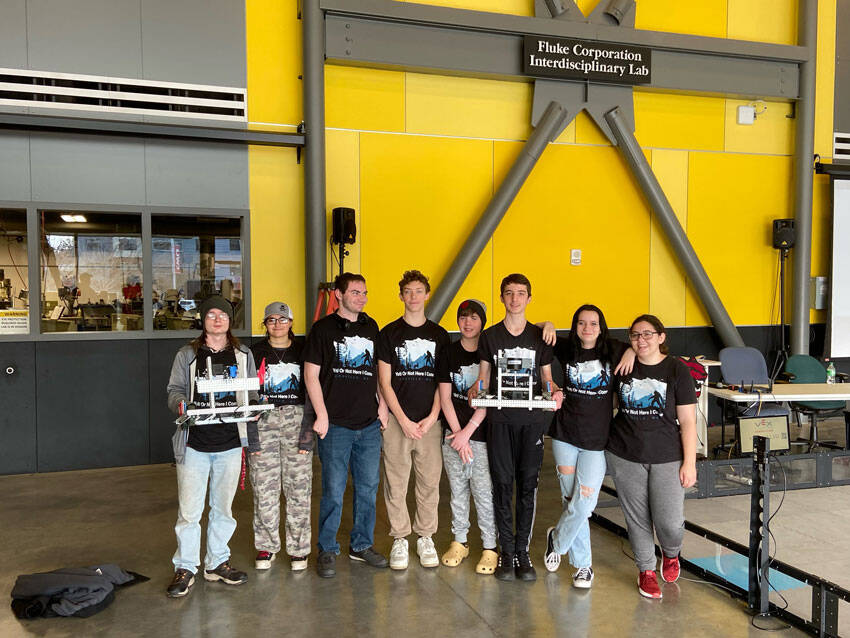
[651, 495]
[471, 477]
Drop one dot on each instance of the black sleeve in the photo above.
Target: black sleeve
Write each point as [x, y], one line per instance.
[485, 353]
[617, 349]
[256, 351]
[685, 392]
[384, 350]
[443, 366]
[546, 354]
[562, 349]
[314, 351]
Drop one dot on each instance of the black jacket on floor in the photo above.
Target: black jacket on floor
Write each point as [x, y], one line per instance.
[72, 591]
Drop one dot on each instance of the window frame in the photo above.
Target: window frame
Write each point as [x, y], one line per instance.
[146, 212]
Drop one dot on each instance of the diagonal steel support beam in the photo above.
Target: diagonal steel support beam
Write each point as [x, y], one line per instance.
[676, 236]
[547, 129]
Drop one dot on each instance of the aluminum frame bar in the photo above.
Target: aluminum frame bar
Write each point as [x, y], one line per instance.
[631, 151]
[551, 123]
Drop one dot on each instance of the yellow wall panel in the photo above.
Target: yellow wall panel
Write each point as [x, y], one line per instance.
[667, 283]
[772, 132]
[514, 7]
[365, 99]
[465, 107]
[273, 55]
[678, 121]
[420, 198]
[825, 80]
[587, 132]
[277, 232]
[732, 200]
[763, 20]
[343, 189]
[569, 202]
[705, 17]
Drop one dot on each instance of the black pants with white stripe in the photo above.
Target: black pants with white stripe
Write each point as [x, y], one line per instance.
[516, 454]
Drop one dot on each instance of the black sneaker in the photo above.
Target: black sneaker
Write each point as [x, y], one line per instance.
[326, 565]
[226, 574]
[180, 584]
[368, 556]
[524, 569]
[505, 568]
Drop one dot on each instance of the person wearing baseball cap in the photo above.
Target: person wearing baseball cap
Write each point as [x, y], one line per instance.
[465, 446]
[286, 458]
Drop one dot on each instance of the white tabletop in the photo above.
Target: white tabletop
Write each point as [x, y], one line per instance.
[787, 392]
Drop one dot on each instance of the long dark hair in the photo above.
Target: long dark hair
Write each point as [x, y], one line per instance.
[602, 349]
[201, 340]
[655, 322]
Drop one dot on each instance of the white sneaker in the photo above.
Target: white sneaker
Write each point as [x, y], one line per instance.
[427, 552]
[399, 554]
[583, 578]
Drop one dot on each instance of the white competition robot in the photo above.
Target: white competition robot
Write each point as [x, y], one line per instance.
[514, 387]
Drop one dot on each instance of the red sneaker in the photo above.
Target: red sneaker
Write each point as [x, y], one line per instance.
[648, 584]
[670, 569]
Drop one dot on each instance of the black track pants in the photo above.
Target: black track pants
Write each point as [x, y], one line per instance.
[516, 453]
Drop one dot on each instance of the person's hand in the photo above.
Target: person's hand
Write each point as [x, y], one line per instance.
[303, 451]
[688, 474]
[466, 455]
[558, 396]
[383, 416]
[459, 439]
[425, 424]
[320, 426]
[550, 335]
[255, 453]
[627, 362]
[410, 428]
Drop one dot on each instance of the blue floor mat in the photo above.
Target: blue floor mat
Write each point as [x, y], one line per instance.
[734, 568]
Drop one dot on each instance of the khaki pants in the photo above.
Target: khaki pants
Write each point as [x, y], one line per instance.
[400, 454]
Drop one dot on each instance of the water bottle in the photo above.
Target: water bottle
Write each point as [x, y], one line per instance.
[830, 373]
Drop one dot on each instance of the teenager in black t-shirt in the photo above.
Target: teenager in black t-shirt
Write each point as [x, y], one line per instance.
[408, 351]
[515, 442]
[341, 377]
[579, 433]
[465, 448]
[286, 459]
[651, 451]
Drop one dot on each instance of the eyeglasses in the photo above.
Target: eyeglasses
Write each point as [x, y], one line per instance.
[646, 335]
[213, 316]
[272, 321]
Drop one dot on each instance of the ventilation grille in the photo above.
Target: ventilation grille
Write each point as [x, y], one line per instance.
[96, 94]
[840, 146]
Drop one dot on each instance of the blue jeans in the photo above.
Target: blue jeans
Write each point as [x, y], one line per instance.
[361, 451]
[572, 533]
[221, 470]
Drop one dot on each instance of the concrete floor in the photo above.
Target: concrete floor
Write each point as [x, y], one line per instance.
[126, 516]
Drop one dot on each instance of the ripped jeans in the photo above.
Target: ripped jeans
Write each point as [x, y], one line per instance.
[580, 491]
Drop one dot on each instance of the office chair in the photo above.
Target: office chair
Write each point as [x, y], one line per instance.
[745, 367]
[802, 368]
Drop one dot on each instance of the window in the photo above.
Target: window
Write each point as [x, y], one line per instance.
[91, 271]
[14, 272]
[194, 257]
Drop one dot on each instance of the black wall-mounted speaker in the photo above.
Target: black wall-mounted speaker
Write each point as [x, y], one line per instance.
[344, 226]
[783, 233]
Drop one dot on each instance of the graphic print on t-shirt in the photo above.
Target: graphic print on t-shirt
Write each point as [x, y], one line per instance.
[219, 371]
[520, 361]
[282, 377]
[588, 377]
[355, 356]
[416, 358]
[464, 379]
[643, 397]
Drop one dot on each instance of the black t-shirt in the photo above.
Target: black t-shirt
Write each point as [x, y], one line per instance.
[531, 351]
[280, 371]
[645, 429]
[460, 368]
[214, 437]
[585, 415]
[345, 351]
[412, 353]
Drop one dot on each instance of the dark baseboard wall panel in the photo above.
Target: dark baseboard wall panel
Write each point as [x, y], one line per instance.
[17, 415]
[161, 356]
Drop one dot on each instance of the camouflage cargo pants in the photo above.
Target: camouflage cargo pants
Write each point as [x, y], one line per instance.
[280, 466]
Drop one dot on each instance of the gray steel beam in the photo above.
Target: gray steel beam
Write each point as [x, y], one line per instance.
[676, 236]
[803, 175]
[434, 48]
[547, 129]
[315, 234]
[44, 123]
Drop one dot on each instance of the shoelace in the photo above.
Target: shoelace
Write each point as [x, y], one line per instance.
[583, 573]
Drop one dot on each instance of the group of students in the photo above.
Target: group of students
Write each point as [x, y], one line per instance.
[404, 394]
